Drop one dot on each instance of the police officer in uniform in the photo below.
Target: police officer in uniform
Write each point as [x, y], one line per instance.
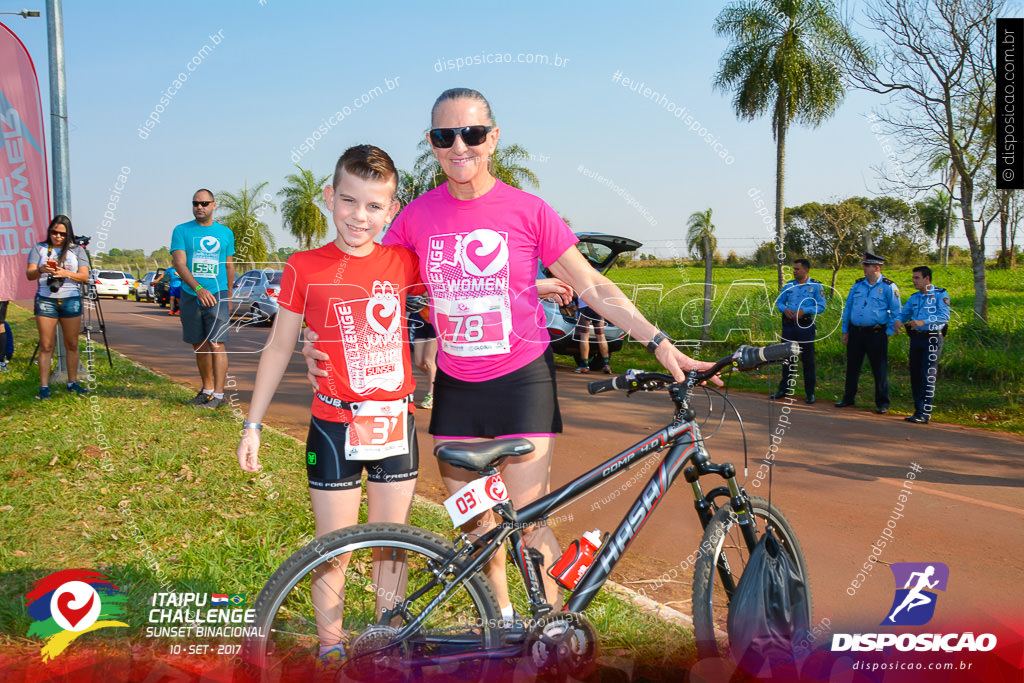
[870, 317]
[801, 299]
[926, 317]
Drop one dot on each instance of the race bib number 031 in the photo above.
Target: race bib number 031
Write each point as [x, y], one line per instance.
[378, 431]
[475, 498]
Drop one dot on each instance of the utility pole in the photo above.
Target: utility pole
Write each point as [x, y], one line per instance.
[59, 144]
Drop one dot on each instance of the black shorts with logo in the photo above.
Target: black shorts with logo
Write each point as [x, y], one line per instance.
[329, 470]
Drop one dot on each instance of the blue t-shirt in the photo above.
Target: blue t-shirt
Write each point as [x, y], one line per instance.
[172, 274]
[206, 248]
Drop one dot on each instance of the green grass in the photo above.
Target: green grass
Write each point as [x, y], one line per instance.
[981, 371]
[165, 506]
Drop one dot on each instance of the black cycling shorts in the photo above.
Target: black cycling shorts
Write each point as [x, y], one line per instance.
[329, 470]
[522, 402]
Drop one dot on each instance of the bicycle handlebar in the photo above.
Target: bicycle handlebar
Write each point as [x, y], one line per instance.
[743, 359]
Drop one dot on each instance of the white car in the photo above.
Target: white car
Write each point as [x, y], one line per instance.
[112, 283]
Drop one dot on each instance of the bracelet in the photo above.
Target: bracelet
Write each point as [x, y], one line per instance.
[652, 345]
[199, 287]
[252, 425]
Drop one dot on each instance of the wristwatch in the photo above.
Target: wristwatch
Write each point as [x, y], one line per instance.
[652, 345]
[252, 425]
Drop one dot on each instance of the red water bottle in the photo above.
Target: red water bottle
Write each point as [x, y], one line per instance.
[577, 560]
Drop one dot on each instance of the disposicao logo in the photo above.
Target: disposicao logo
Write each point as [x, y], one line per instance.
[914, 605]
[68, 603]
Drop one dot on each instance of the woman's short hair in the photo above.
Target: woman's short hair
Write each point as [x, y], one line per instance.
[462, 94]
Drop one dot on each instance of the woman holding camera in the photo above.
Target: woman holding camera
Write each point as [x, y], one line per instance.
[60, 265]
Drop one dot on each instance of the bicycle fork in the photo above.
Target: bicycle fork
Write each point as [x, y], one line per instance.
[705, 506]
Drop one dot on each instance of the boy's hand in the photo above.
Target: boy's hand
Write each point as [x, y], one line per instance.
[312, 354]
[553, 289]
[248, 451]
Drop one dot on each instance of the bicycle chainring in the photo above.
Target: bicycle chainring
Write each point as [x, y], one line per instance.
[560, 645]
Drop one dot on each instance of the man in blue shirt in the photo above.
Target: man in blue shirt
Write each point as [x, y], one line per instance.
[801, 299]
[202, 252]
[870, 317]
[926, 317]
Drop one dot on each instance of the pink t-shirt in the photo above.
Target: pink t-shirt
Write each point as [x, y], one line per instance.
[479, 260]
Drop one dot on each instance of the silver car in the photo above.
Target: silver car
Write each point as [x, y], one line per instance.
[256, 293]
[600, 250]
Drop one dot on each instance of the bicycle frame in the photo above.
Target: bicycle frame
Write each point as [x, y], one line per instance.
[685, 444]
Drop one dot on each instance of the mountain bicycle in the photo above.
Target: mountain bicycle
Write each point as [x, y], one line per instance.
[415, 601]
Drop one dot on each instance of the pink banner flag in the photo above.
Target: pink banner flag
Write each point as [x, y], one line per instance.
[24, 186]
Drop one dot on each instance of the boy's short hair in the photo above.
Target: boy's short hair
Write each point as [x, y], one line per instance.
[803, 262]
[924, 270]
[366, 162]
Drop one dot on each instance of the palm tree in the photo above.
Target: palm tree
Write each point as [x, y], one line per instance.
[505, 165]
[410, 186]
[253, 241]
[700, 239]
[788, 57]
[300, 210]
[932, 213]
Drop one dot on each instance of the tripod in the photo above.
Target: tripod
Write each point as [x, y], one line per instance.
[90, 303]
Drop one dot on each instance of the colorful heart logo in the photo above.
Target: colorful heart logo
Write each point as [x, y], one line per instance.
[75, 606]
[484, 252]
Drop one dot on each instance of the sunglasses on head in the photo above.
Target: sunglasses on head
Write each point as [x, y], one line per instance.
[471, 135]
[202, 204]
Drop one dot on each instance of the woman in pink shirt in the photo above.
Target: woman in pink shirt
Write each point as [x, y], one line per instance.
[478, 241]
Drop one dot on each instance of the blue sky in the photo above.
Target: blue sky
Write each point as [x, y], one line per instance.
[282, 69]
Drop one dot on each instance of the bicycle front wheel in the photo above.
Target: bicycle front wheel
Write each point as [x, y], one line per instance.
[360, 586]
[723, 540]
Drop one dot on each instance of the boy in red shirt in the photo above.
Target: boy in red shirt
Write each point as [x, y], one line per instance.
[352, 294]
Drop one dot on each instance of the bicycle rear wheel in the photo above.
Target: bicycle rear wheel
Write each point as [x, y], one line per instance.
[724, 540]
[354, 573]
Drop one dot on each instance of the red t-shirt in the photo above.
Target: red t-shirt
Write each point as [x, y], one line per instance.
[356, 305]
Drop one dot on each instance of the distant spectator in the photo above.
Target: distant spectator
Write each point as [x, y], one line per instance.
[202, 251]
[423, 338]
[801, 300]
[3, 336]
[60, 266]
[587, 317]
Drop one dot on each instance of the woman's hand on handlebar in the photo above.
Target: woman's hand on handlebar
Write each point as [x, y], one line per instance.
[312, 355]
[678, 363]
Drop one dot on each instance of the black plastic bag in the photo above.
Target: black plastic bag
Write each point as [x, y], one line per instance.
[769, 611]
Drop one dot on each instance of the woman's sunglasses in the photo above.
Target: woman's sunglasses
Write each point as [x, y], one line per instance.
[471, 135]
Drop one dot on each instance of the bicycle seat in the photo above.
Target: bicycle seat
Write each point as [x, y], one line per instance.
[479, 455]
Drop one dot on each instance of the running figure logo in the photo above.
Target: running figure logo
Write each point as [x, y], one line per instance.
[914, 603]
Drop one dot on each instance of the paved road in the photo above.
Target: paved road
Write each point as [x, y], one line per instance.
[838, 479]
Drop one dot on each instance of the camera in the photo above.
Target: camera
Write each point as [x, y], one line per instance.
[82, 240]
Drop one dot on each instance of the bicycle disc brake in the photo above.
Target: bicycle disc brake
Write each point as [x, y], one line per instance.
[561, 645]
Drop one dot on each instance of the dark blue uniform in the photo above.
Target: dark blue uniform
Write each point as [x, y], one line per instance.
[869, 319]
[808, 297]
[932, 308]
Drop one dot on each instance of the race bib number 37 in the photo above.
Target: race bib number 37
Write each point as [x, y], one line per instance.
[377, 431]
[475, 498]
